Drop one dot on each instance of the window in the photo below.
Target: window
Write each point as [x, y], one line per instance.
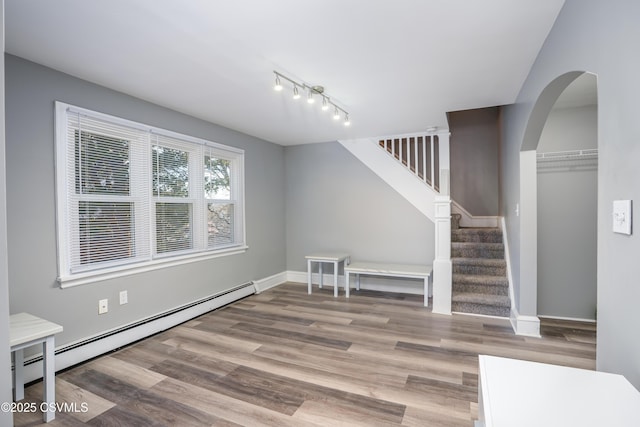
[220, 206]
[131, 197]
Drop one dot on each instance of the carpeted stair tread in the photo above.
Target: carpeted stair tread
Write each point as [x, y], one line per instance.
[489, 262]
[459, 288]
[477, 250]
[476, 253]
[479, 266]
[484, 235]
[487, 245]
[486, 310]
[482, 299]
[476, 279]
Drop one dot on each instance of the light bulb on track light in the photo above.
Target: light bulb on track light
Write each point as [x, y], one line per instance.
[325, 104]
[278, 85]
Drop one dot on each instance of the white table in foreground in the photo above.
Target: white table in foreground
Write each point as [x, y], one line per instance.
[411, 271]
[26, 330]
[529, 394]
[330, 257]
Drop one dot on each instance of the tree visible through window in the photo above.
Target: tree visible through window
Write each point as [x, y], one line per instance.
[170, 172]
[217, 189]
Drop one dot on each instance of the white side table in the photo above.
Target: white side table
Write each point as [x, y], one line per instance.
[328, 257]
[26, 330]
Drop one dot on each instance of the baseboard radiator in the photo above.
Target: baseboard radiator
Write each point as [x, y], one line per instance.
[80, 351]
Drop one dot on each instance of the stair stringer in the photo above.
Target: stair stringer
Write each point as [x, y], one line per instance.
[394, 173]
[522, 325]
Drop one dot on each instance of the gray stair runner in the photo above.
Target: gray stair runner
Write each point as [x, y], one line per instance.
[480, 283]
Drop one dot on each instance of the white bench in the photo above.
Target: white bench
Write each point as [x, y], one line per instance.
[410, 271]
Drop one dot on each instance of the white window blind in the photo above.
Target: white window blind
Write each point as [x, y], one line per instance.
[173, 177]
[105, 161]
[130, 195]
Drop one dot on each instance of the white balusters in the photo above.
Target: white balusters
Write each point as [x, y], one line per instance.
[415, 157]
[424, 154]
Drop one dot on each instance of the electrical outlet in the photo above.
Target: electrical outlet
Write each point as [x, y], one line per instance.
[103, 306]
[124, 297]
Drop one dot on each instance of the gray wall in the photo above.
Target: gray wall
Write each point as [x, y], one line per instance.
[570, 129]
[567, 217]
[336, 203]
[474, 142]
[600, 37]
[6, 418]
[31, 90]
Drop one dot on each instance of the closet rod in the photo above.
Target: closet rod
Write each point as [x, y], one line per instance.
[568, 155]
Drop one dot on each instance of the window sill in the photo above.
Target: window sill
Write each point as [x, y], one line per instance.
[128, 270]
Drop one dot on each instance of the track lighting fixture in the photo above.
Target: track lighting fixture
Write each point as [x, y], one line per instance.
[312, 91]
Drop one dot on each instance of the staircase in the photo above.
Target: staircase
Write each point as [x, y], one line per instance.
[417, 167]
[480, 283]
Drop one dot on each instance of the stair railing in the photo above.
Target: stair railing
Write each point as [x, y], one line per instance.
[426, 155]
[419, 153]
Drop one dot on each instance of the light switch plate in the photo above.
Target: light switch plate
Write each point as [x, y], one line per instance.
[622, 216]
[103, 306]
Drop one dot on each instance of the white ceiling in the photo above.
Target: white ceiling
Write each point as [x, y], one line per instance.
[395, 66]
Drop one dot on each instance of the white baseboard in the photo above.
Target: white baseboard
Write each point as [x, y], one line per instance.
[301, 277]
[571, 319]
[528, 326]
[468, 220]
[89, 347]
[487, 316]
[262, 285]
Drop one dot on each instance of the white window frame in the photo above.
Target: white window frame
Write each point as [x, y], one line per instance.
[200, 251]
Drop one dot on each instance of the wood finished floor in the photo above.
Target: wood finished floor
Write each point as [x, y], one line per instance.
[285, 358]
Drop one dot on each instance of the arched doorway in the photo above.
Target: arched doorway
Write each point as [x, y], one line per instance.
[567, 185]
[529, 192]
